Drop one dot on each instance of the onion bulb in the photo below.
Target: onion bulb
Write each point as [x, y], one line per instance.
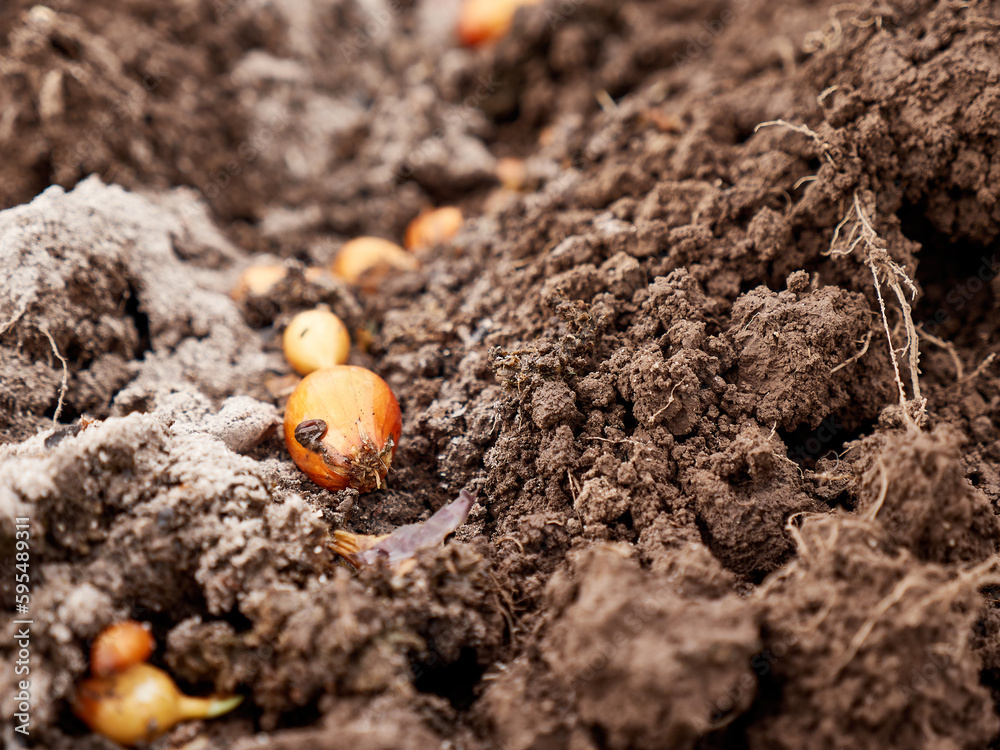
[366, 260]
[141, 703]
[316, 339]
[482, 21]
[433, 227]
[119, 646]
[257, 281]
[342, 426]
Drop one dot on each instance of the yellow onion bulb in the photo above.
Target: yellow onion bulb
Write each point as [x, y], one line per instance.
[315, 339]
[512, 173]
[484, 21]
[141, 703]
[258, 281]
[433, 227]
[367, 260]
[342, 427]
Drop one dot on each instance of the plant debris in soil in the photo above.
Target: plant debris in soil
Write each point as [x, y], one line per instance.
[714, 350]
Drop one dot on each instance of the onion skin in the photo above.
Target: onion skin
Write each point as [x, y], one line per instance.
[140, 704]
[119, 646]
[362, 427]
[399, 549]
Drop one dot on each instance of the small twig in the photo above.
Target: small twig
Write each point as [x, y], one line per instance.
[877, 506]
[749, 322]
[912, 339]
[979, 370]
[824, 146]
[885, 324]
[841, 7]
[506, 604]
[14, 318]
[65, 376]
[826, 92]
[897, 593]
[605, 101]
[948, 347]
[978, 575]
[652, 419]
[520, 547]
[836, 234]
[856, 357]
[818, 618]
[877, 259]
[574, 490]
[796, 535]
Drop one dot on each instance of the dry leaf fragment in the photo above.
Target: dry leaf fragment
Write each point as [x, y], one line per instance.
[397, 550]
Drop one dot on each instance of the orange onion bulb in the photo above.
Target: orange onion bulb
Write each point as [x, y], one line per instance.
[119, 646]
[483, 21]
[433, 227]
[342, 427]
[141, 703]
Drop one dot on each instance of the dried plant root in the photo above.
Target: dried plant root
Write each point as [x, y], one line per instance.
[975, 577]
[857, 222]
[862, 234]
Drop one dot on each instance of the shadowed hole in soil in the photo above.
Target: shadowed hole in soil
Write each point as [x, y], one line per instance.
[455, 681]
[599, 735]
[42, 170]
[626, 520]
[68, 48]
[748, 285]
[730, 735]
[843, 500]
[955, 278]
[629, 422]
[733, 735]
[297, 718]
[67, 415]
[806, 446]
[74, 726]
[140, 319]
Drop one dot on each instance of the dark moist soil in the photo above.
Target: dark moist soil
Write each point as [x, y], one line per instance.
[703, 518]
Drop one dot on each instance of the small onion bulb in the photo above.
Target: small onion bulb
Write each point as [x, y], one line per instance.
[367, 260]
[342, 426]
[433, 227]
[483, 21]
[141, 703]
[316, 339]
[119, 646]
[258, 281]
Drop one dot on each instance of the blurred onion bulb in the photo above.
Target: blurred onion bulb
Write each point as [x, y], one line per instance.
[141, 703]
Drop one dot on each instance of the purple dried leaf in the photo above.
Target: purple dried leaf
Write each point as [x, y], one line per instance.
[406, 541]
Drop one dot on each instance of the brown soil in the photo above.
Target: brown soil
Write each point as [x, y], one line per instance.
[703, 520]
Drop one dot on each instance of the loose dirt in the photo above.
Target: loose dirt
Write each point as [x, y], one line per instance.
[660, 361]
